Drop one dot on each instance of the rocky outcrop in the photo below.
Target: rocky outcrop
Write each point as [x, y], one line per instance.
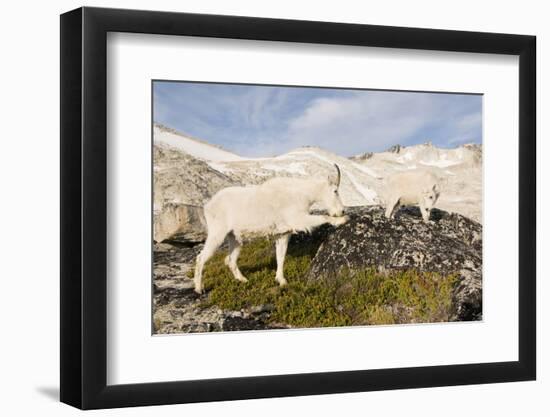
[449, 244]
[179, 222]
[182, 179]
[362, 157]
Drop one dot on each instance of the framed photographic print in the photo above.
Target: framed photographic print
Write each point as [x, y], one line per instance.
[259, 207]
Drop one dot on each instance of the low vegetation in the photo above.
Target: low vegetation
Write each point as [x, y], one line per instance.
[352, 298]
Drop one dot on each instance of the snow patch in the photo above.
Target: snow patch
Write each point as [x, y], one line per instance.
[366, 170]
[442, 163]
[405, 157]
[220, 167]
[193, 147]
[292, 168]
[370, 195]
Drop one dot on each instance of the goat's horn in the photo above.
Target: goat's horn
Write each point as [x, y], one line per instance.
[338, 175]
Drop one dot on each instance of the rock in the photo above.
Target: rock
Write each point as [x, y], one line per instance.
[234, 323]
[173, 261]
[394, 149]
[162, 247]
[362, 157]
[181, 178]
[450, 243]
[179, 222]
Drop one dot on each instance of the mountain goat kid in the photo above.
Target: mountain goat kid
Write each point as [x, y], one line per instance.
[278, 207]
[412, 188]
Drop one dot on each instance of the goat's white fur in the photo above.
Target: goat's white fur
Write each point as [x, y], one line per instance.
[278, 207]
[412, 188]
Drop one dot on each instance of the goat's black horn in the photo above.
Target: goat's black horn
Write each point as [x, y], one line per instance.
[338, 177]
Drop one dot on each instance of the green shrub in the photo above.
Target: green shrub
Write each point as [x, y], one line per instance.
[351, 298]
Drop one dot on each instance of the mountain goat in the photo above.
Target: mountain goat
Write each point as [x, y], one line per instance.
[278, 207]
[412, 188]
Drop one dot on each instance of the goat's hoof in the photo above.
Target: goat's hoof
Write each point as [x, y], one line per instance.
[339, 221]
[199, 291]
[282, 282]
[242, 279]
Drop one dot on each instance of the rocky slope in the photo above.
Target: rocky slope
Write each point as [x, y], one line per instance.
[449, 244]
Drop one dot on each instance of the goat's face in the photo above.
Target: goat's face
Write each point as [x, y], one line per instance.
[330, 196]
[430, 197]
[331, 201]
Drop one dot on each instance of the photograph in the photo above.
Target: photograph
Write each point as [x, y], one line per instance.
[294, 207]
[266, 209]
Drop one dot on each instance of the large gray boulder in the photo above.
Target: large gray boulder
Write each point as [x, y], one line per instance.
[179, 222]
[449, 244]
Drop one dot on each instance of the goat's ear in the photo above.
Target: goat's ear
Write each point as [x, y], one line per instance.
[335, 179]
[435, 188]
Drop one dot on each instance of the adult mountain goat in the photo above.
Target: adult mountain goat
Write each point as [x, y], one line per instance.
[412, 188]
[278, 207]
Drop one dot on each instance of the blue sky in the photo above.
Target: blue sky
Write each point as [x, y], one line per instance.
[266, 121]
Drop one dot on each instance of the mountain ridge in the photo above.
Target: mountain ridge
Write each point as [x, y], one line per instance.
[189, 171]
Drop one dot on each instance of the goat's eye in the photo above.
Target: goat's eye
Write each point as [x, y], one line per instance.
[335, 191]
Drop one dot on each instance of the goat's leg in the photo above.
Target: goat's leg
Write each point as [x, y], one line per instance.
[231, 260]
[212, 243]
[425, 213]
[281, 244]
[391, 208]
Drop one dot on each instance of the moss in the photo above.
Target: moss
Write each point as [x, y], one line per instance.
[157, 325]
[352, 298]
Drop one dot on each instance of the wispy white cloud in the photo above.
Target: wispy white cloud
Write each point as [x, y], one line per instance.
[261, 121]
[373, 121]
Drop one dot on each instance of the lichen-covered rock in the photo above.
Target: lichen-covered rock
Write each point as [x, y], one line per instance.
[449, 244]
[179, 222]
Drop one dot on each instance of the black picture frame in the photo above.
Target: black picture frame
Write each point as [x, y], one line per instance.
[84, 207]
